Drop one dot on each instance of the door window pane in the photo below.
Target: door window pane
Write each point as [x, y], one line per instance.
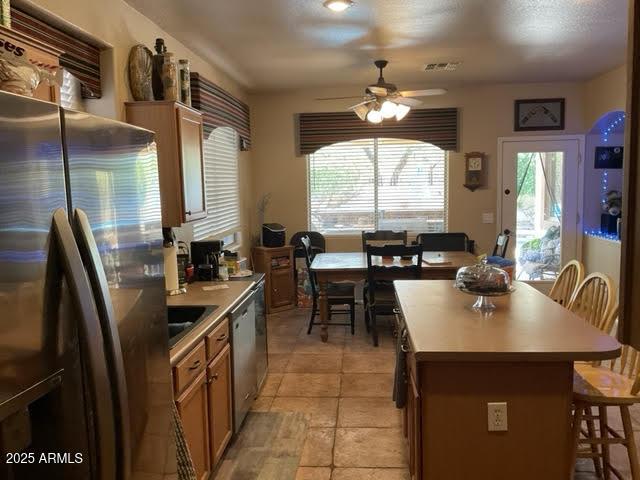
[539, 215]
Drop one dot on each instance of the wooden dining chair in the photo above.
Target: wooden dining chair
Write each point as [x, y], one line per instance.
[565, 285]
[443, 242]
[338, 294]
[594, 300]
[380, 237]
[379, 296]
[599, 387]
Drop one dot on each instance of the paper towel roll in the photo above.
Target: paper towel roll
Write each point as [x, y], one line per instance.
[171, 268]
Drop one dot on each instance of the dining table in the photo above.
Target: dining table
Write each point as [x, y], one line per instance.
[352, 267]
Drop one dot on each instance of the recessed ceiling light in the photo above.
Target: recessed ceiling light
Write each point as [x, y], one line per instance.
[338, 5]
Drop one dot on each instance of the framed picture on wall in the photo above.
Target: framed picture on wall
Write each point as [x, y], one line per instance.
[539, 114]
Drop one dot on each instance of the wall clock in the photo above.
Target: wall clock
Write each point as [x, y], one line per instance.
[539, 114]
[475, 170]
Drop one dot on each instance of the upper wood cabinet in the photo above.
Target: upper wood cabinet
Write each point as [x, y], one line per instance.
[180, 157]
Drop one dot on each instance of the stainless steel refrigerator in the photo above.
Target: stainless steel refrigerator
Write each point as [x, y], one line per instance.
[84, 357]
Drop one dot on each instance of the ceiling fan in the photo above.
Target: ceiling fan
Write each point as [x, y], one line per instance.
[383, 100]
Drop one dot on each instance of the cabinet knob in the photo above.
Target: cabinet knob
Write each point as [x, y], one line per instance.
[188, 212]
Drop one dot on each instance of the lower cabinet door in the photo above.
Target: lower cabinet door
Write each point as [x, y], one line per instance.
[220, 406]
[193, 408]
[282, 287]
[414, 419]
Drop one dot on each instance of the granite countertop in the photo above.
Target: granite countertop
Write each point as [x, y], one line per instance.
[225, 299]
[526, 326]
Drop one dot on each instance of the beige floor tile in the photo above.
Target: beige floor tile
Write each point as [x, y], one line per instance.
[309, 385]
[379, 362]
[362, 342]
[315, 363]
[322, 411]
[370, 447]
[366, 385]
[368, 412]
[370, 474]
[313, 473]
[262, 404]
[318, 448]
[313, 344]
[271, 384]
[282, 345]
[278, 362]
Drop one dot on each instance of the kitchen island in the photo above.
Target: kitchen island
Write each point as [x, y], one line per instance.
[459, 360]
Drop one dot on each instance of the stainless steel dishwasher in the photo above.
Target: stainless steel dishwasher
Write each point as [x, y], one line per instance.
[243, 338]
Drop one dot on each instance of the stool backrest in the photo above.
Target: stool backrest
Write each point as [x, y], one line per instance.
[594, 300]
[565, 285]
[308, 257]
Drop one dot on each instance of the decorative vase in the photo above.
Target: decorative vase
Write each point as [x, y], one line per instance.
[169, 78]
[184, 73]
[158, 60]
[140, 71]
[5, 13]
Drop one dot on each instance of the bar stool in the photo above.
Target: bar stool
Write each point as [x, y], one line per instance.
[594, 300]
[565, 285]
[597, 386]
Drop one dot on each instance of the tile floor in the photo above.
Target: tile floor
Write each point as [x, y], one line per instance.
[344, 388]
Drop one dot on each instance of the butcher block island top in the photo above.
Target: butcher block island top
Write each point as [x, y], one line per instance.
[525, 326]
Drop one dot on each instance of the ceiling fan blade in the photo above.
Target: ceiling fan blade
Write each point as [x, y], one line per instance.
[361, 109]
[423, 93]
[361, 103]
[339, 98]
[410, 102]
[380, 91]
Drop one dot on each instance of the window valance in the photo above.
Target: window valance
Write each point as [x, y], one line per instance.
[438, 126]
[220, 109]
[80, 58]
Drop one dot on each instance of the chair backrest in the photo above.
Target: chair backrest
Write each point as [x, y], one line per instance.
[570, 277]
[379, 237]
[378, 271]
[502, 242]
[443, 242]
[308, 257]
[594, 300]
[318, 243]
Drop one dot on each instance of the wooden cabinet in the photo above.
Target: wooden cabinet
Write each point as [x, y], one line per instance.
[413, 427]
[220, 406]
[180, 157]
[16, 43]
[205, 401]
[277, 265]
[193, 407]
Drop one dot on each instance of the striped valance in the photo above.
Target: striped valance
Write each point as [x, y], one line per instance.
[438, 126]
[80, 58]
[220, 109]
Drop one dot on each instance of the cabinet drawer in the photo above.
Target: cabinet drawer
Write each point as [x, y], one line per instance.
[189, 367]
[217, 339]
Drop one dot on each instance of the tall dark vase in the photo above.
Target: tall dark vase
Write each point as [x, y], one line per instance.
[156, 77]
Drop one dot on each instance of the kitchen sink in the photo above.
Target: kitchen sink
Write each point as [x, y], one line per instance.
[181, 319]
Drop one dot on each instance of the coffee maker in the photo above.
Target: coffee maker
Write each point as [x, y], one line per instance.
[205, 255]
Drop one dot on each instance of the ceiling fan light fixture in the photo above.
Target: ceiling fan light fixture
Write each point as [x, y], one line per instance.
[402, 111]
[338, 5]
[374, 116]
[361, 111]
[389, 109]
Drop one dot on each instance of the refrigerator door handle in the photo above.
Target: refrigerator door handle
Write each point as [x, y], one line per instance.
[92, 345]
[93, 264]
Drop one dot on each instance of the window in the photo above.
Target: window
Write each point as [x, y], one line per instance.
[221, 187]
[71, 92]
[378, 184]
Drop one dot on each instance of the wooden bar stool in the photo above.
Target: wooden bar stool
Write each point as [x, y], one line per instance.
[598, 386]
[594, 300]
[565, 285]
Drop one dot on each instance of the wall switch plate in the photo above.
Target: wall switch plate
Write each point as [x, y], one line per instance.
[487, 217]
[497, 416]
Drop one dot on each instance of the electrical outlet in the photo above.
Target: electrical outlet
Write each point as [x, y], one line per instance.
[497, 416]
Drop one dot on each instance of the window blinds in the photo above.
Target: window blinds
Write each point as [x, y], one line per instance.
[384, 184]
[220, 149]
